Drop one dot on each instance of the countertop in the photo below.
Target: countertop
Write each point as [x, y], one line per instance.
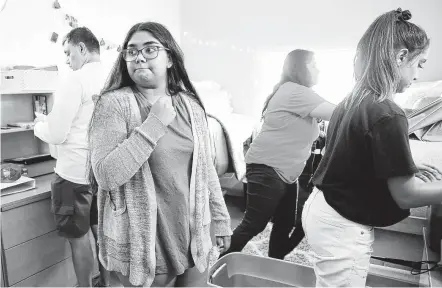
[41, 191]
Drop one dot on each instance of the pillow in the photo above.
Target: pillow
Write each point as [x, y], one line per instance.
[417, 92]
[216, 100]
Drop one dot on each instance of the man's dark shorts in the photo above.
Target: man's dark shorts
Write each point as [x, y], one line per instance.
[73, 207]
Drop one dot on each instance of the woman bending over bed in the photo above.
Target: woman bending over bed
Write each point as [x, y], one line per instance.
[367, 177]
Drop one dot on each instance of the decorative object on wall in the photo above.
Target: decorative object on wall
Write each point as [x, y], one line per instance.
[221, 44]
[56, 5]
[3, 5]
[72, 22]
[54, 37]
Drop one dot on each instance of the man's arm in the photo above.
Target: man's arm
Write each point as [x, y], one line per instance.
[55, 128]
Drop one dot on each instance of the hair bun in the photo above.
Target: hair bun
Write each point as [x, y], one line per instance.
[403, 15]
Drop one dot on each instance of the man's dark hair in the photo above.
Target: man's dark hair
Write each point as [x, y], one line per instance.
[84, 35]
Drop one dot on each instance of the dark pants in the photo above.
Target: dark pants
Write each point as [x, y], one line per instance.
[71, 207]
[268, 197]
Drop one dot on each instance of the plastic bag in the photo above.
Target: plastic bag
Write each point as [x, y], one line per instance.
[11, 172]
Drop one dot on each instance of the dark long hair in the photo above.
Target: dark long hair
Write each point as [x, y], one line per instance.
[294, 70]
[177, 78]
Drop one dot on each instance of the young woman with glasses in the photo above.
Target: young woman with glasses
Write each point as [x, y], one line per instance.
[158, 191]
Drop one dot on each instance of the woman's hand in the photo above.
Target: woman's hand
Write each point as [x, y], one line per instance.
[223, 243]
[428, 173]
[164, 110]
[39, 117]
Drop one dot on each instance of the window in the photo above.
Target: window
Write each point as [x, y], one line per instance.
[336, 74]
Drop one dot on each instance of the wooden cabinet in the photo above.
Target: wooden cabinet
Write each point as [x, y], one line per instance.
[32, 252]
[17, 106]
[35, 255]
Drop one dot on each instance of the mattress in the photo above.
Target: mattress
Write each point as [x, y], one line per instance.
[427, 152]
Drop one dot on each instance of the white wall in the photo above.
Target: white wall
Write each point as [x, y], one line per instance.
[113, 18]
[25, 30]
[26, 25]
[269, 25]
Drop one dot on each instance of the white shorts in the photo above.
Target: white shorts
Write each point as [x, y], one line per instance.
[341, 248]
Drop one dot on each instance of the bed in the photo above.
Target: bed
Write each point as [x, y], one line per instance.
[423, 151]
[228, 131]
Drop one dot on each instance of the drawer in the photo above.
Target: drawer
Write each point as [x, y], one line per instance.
[26, 222]
[34, 256]
[59, 275]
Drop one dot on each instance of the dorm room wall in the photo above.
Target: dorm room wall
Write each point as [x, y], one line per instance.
[25, 33]
[213, 32]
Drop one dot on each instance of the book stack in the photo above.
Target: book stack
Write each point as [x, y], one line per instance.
[22, 184]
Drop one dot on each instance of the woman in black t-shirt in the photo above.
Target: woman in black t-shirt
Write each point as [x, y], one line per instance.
[367, 176]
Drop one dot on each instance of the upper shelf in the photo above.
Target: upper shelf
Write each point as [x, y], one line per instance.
[12, 92]
[15, 130]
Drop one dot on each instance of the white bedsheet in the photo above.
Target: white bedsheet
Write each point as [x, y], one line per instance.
[427, 152]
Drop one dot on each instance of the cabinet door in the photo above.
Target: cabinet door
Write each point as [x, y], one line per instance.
[27, 222]
[34, 256]
[59, 275]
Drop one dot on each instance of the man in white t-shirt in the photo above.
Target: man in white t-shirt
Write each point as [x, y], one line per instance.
[73, 205]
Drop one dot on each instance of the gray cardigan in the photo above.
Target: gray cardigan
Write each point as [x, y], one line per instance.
[120, 148]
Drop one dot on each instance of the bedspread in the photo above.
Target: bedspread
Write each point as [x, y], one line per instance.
[428, 152]
[425, 152]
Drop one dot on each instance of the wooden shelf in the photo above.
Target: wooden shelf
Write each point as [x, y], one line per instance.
[15, 130]
[11, 92]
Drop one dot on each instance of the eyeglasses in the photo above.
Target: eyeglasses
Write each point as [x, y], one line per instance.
[148, 52]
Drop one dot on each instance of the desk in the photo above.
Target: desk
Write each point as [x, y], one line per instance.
[32, 252]
[42, 191]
